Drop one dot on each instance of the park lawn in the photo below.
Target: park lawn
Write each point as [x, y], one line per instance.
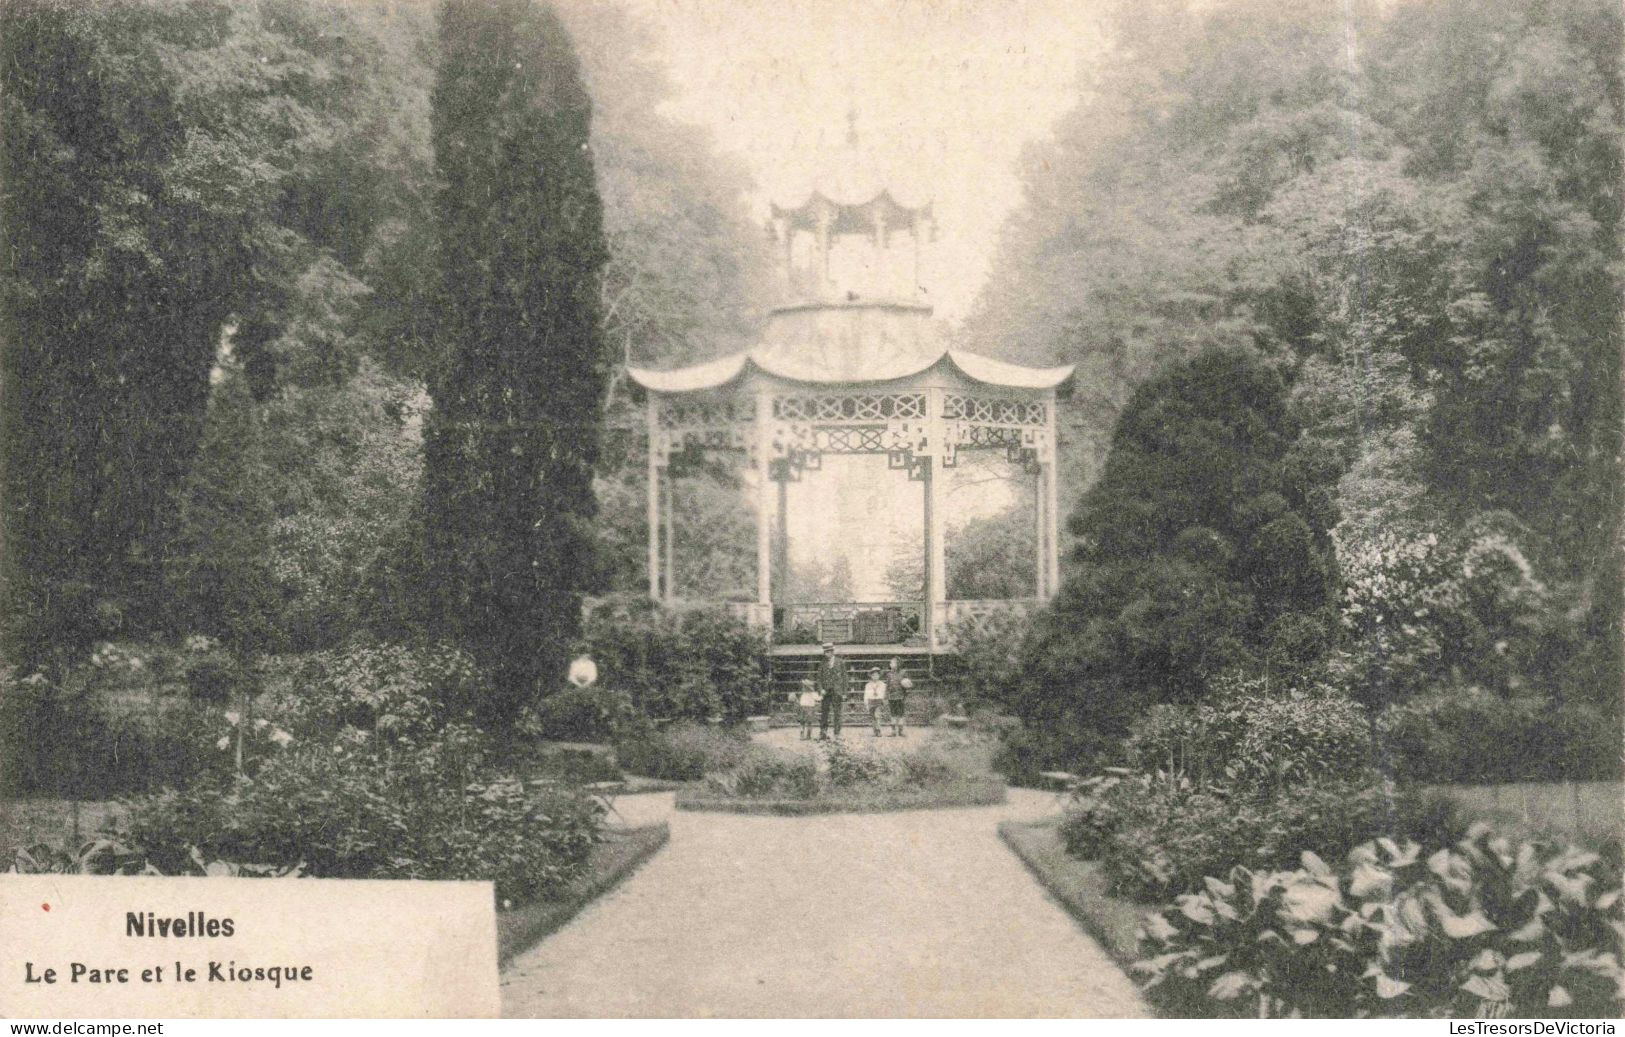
[30, 822]
[1079, 885]
[616, 857]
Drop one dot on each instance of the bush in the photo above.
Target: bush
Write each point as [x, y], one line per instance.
[1158, 835]
[581, 715]
[577, 766]
[845, 766]
[216, 677]
[1470, 735]
[682, 752]
[1254, 739]
[769, 775]
[692, 664]
[390, 690]
[427, 806]
[1485, 929]
[79, 738]
[1025, 752]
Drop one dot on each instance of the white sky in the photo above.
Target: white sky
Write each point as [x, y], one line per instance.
[947, 94]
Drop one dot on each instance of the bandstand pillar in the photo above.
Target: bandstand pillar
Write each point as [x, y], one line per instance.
[671, 537]
[653, 410]
[936, 557]
[764, 502]
[1041, 531]
[1051, 509]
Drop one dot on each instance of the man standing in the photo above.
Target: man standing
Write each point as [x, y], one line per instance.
[832, 682]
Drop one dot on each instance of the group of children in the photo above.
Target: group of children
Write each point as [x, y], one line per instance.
[883, 696]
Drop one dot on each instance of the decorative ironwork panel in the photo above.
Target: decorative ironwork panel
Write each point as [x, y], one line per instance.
[849, 407]
[693, 427]
[994, 410]
[686, 413]
[960, 619]
[1026, 446]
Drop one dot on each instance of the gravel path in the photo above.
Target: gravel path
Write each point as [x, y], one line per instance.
[914, 913]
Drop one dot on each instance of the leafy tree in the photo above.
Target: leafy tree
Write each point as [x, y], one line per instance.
[122, 262]
[1203, 549]
[513, 434]
[174, 170]
[1413, 209]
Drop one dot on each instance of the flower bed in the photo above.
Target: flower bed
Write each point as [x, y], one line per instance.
[1483, 929]
[971, 792]
[776, 781]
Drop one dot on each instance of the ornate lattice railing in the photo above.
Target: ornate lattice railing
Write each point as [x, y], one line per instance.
[849, 622]
[978, 617]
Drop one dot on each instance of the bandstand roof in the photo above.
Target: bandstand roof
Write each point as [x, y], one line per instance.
[821, 352]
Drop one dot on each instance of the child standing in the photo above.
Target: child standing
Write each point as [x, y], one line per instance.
[897, 687]
[874, 697]
[808, 704]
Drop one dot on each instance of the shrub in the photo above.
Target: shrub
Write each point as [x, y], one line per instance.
[1254, 739]
[577, 766]
[1159, 835]
[76, 738]
[850, 778]
[581, 715]
[653, 756]
[390, 690]
[1203, 547]
[108, 856]
[986, 665]
[215, 677]
[1024, 753]
[1467, 735]
[694, 664]
[846, 766]
[924, 767]
[432, 806]
[683, 752]
[1482, 929]
[770, 775]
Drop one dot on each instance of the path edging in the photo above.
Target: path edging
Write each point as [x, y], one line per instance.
[1082, 909]
[528, 925]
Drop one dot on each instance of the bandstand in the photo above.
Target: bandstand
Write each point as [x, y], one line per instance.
[854, 364]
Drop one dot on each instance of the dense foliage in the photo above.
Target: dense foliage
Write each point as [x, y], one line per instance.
[512, 437]
[364, 769]
[685, 663]
[164, 162]
[681, 752]
[1249, 778]
[1481, 929]
[1412, 211]
[1204, 549]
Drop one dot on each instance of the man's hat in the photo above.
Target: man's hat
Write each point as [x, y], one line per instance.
[829, 646]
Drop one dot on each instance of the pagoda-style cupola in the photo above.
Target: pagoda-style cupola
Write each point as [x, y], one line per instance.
[856, 235]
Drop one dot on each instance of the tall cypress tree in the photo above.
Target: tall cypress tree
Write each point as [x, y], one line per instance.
[513, 435]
